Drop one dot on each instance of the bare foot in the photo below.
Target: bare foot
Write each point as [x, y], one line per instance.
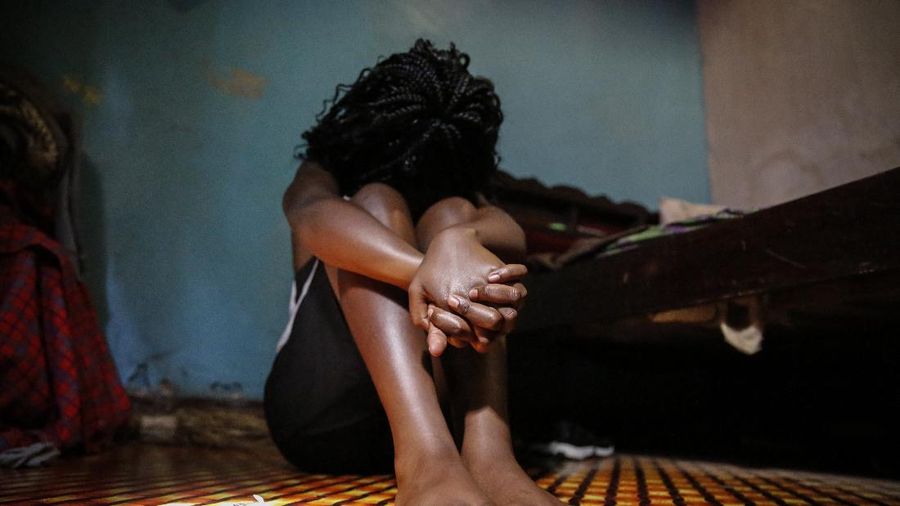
[506, 483]
[438, 483]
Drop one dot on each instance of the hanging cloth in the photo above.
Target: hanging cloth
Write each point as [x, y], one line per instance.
[58, 383]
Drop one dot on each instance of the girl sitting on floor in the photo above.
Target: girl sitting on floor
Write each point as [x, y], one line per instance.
[397, 254]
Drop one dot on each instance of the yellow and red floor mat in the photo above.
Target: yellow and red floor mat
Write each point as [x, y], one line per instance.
[146, 474]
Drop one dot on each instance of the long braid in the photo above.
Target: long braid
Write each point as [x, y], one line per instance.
[416, 120]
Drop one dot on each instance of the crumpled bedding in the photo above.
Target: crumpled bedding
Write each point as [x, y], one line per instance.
[596, 247]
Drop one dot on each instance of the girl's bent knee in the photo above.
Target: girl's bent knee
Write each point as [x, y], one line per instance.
[456, 209]
[379, 197]
[444, 214]
[387, 206]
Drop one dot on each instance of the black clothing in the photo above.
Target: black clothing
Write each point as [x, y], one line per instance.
[321, 406]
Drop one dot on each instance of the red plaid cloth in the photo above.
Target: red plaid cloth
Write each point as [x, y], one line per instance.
[58, 382]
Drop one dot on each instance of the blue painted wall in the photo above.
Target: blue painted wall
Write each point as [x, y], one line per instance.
[192, 108]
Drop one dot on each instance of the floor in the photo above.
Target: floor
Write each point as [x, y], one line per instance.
[147, 474]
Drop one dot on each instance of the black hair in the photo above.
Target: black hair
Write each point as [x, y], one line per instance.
[417, 121]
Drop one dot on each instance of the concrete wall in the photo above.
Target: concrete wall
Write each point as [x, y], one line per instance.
[192, 109]
[800, 96]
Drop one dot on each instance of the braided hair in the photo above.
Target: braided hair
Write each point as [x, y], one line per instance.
[417, 121]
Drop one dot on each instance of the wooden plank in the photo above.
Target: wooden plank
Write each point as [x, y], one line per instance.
[849, 230]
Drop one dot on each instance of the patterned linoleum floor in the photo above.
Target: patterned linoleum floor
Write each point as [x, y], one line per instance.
[145, 474]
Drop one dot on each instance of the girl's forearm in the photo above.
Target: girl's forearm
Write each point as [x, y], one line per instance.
[349, 238]
[498, 232]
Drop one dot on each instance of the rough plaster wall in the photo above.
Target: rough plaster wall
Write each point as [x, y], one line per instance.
[192, 109]
[800, 96]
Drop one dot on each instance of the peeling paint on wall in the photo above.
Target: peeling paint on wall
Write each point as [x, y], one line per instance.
[89, 95]
[800, 96]
[239, 83]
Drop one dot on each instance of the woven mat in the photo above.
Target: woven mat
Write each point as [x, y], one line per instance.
[146, 474]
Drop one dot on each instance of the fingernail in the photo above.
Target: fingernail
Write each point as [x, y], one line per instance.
[453, 301]
[430, 311]
[483, 340]
[494, 277]
[473, 293]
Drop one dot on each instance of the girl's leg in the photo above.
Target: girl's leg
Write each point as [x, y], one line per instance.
[478, 392]
[428, 466]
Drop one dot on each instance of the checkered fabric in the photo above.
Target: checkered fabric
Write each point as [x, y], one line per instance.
[59, 383]
[155, 475]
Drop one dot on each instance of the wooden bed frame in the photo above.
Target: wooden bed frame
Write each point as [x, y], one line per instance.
[835, 252]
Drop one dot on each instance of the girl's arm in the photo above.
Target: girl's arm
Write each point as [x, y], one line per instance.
[343, 235]
[347, 237]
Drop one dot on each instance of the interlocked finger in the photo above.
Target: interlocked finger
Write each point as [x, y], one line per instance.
[507, 273]
[458, 343]
[510, 317]
[436, 341]
[453, 326]
[478, 315]
[499, 294]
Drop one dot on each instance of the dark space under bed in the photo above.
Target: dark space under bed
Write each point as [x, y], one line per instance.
[822, 393]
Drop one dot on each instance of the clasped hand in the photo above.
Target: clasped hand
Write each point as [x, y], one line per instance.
[464, 295]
